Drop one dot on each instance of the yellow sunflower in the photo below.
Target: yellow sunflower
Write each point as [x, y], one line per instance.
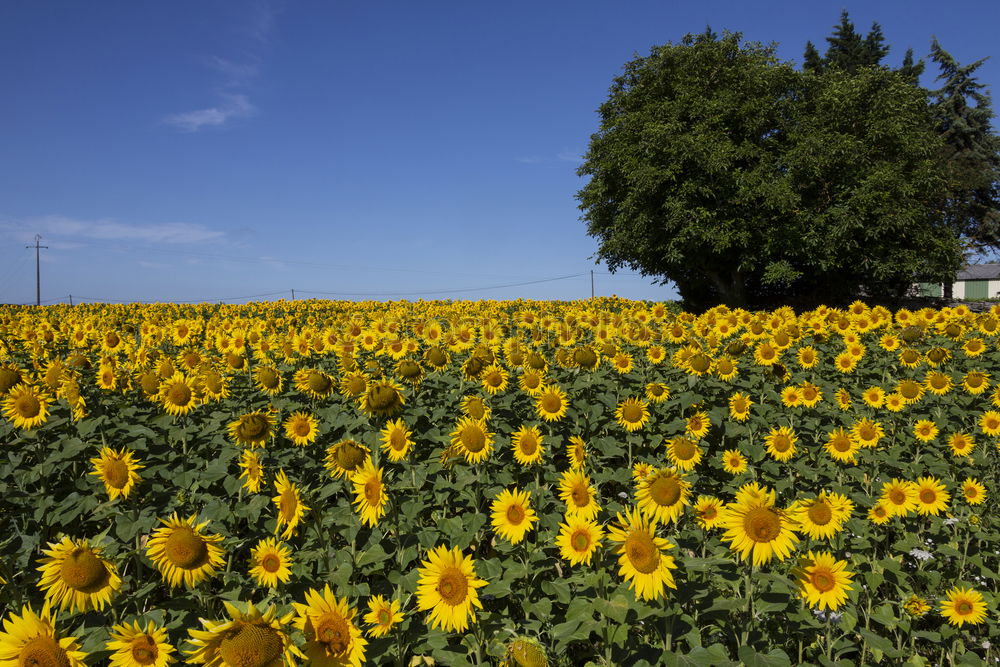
[253, 428]
[370, 497]
[989, 423]
[879, 514]
[734, 462]
[527, 444]
[739, 406]
[642, 558]
[494, 379]
[576, 452]
[708, 511]
[289, 504]
[252, 470]
[938, 383]
[332, 638]
[448, 589]
[314, 383]
[964, 605]
[841, 446]
[31, 639]
[578, 539]
[822, 517]
[916, 606]
[551, 404]
[382, 615]
[780, 443]
[867, 433]
[932, 498]
[973, 491]
[684, 453]
[961, 444]
[976, 382]
[580, 497]
[353, 384]
[925, 430]
[512, 516]
[632, 414]
[270, 561]
[76, 576]
[178, 395]
[302, 428]
[823, 580]
[249, 638]
[662, 495]
[475, 407]
[396, 441]
[26, 407]
[182, 553]
[657, 392]
[117, 469]
[756, 529]
[899, 497]
[531, 381]
[383, 398]
[345, 457]
[698, 425]
[874, 397]
[133, 645]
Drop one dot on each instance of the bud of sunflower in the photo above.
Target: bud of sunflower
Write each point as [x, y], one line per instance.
[526, 652]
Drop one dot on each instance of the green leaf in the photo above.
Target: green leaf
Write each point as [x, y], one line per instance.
[774, 658]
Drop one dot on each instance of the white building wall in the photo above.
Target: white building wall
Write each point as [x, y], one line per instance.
[958, 290]
[993, 288]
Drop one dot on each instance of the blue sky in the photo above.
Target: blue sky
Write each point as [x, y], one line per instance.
[208, 150]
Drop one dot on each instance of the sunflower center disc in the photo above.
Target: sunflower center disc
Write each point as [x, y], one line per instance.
[781, 443]
[928, 497]
[268, 378]
[473, 438]
[580, 541]
[302, 428]
[27, 406]
[823, 581]
[684, 449]
[83, 571]
[319, 383]
[349, 456]
[373, 491]
[580, 495]
[179, 394]
[820, 513]
[551, 403]
[897, 497]
[333, 633]
[762, 524]
[452, 586]
[254, 427]
[42, 651]
[642, 552]
[8, 379]
[665, 491]
[528, 445]
[632, 413]
[116, 473]
[709, 513]
[381, 397]
[250, 646]
[144, 650]
[383, 617]
[270, 563]
[185, 549]
[842, 444]
[964, 608]
[515, 514]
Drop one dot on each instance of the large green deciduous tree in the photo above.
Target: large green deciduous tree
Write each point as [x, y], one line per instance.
[748, 182]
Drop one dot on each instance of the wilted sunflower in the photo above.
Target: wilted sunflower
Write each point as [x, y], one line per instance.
[964, 605]
[118, 471]
[332, 638]
[684, 453]
[576, 451]
[31, 640]
[823, 580]
[345, 457]
[822, 517]
[578, 539]
[580, 497]
[973, 491]
[512, 515]
[133, 645]
[182, 553]
[551, 403]
[289, 505]
[632, 414]
[524, 652]
[382, 615]
[734, 462]
[642, 555]
[178, 395]
[756, 529]
[302, 428]
[708, 511]
[472, 439]
[899, 497]
[252, 471]
[26, 407]
[448, 588]
[270, 561]
[932, 498]
[253, 428]
[249, 638]
[662, 495]
[780, 443]
[527, 443]
[383, 398]
[369, 493]
[76, 576]
[314, 383]
[396, 442]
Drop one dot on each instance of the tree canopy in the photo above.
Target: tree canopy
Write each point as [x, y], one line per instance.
[747, 181]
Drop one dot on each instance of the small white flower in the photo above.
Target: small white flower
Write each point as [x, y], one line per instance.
[951, 521]
[623, 495]
[920, 554]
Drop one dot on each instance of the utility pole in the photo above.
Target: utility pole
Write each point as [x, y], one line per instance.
[38, 270]
[591, 283]
[293, 295]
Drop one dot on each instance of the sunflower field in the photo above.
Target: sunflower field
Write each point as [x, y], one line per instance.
[600, 482]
